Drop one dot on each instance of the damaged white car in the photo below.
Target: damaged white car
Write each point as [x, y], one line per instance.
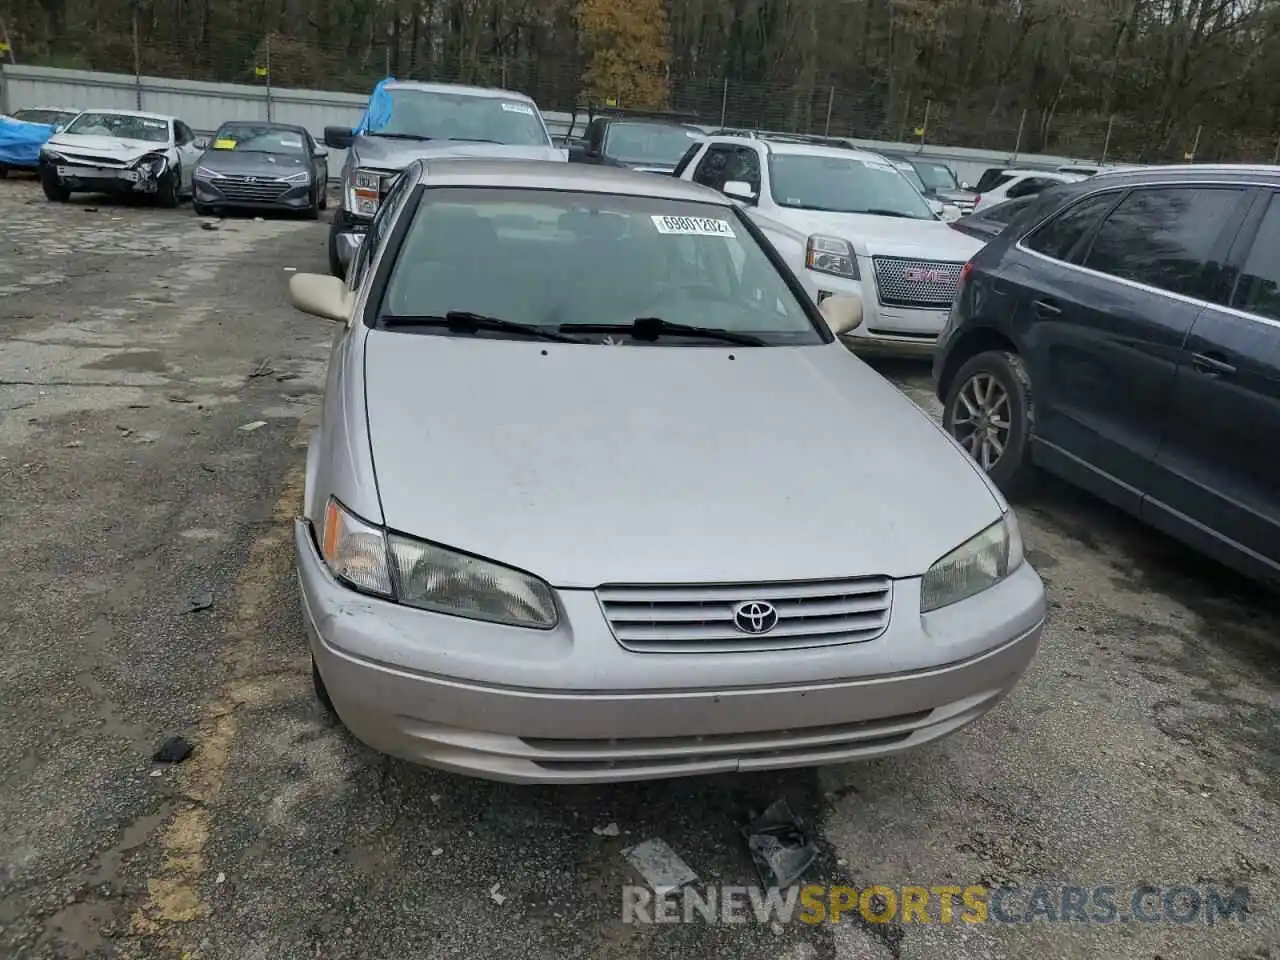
[121, 152]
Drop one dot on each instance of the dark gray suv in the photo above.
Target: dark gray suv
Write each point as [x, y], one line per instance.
[1124, 334]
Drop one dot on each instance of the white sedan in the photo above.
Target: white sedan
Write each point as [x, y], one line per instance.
[121, 151]
[1023, 183]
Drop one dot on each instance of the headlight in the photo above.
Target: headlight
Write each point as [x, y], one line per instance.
[974, 566]
[363, 193]
[155, 162]
[354, 550]
[204, 173]
[831, 255]
[48, 154]
[434, 578]
[302, 176]
[431, 577]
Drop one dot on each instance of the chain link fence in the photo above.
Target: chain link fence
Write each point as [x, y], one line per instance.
[873, 113]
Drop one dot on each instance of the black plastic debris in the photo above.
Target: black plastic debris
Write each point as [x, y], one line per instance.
[173, 750]
[781, 845]
[199, 600]
[208, 225]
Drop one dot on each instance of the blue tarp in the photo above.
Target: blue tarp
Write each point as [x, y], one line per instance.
[378, 112]
[20, 142]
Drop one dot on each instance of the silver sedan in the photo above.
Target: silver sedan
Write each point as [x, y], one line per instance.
[598, 495]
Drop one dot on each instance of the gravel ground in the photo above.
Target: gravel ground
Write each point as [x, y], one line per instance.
[154, 392]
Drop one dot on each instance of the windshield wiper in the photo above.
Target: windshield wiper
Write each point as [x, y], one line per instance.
[400, 136]
[463, 321]
[651, 328]
[471, 140]
[891, 213]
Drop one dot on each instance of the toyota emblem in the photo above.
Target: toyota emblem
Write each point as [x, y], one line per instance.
[755, 616]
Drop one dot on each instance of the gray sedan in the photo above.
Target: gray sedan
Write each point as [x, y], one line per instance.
[598, 495]
[253, 165]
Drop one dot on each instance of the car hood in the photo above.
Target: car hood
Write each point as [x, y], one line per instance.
[957, 196]
[390, 154]
[117, 148]
[666, 168]
[253, 164]
[598, 464]
[876, 236]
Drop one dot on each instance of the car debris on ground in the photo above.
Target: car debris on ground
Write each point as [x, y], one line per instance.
[781, 845]
[660, 866]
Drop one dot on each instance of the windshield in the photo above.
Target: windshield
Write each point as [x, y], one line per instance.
[559, 259]
[461, 116]
[49, 117]
[938, 176]
[257, 138]
[122, 125]
[844, 185]
[638, 142]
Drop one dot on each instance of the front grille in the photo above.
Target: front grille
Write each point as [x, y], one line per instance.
[88, 161]
[902, 282]
[700, 618]
[239, 188]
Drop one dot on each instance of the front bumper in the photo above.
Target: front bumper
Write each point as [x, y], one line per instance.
[100, 179]
[347, 233]
[268, 196]
[889, 330]
[572, 705]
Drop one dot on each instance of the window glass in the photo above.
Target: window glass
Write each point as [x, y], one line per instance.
[1059, 236]
[1162, 237]
[1005, 212]
[714, 168]
[569, 259]
[1258, 290]
[937, 175]
[125, 126]
[686, 159]
[841, 184]
[416, 114]
[642, 142]
[250, 137]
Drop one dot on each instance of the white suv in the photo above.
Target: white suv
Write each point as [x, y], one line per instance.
[846, 222]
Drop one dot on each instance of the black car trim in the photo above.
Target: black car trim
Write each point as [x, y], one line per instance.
[1123, 190]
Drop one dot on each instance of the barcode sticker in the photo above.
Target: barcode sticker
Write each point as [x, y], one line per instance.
[693, 226]
[518, 108]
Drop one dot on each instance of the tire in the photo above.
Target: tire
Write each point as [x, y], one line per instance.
[335, 265]
[1010, 469]
[324, 196]
[167, 189]
[53, 190]
[313, 209]
[322, 692]
[4, 171]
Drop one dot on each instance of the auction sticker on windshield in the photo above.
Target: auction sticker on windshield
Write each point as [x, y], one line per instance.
[518, 108]
[693, 226]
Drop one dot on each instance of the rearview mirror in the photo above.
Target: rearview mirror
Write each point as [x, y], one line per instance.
[320, 296]
[739, 190]
[339, 137]
[843, 312]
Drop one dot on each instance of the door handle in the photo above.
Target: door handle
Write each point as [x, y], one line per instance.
[1045, 308]
[1212, 366]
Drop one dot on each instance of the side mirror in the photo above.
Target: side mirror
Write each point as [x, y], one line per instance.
[320, 296]
[964, 185]
[739, 190]
[339, 137]
[200, 143]
[843, 312]
[950, 212]
[935, 206]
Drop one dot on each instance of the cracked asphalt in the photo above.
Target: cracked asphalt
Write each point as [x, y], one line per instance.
[155, 390]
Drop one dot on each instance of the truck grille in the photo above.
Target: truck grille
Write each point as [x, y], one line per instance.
[700, 618]
[247, 191]
[901, 282]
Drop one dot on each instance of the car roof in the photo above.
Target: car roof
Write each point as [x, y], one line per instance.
[50, 109]
[1193, 171]
[804, 149]
[496, 92]
[263, 124]
[544, 175]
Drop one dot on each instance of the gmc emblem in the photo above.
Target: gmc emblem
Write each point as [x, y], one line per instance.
[925, 275]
